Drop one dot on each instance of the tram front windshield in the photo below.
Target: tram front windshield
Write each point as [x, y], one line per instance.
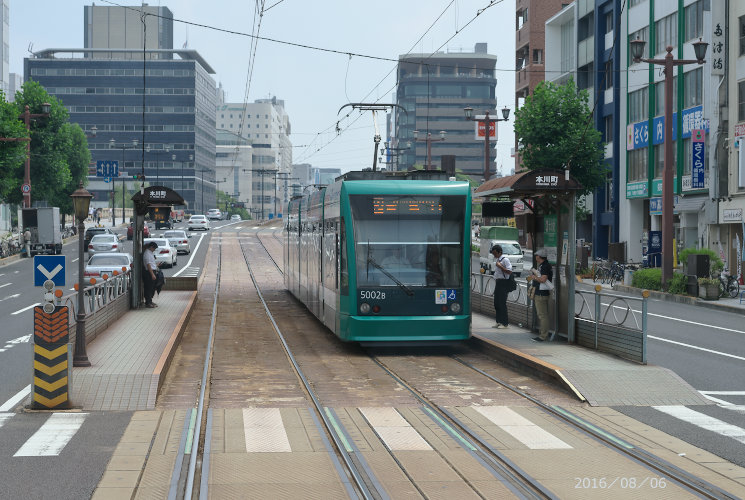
[406, 240]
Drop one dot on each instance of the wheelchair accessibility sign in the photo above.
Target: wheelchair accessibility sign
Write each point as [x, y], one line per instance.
[442, 296]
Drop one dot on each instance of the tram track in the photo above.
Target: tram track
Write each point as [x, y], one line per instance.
[358, 475]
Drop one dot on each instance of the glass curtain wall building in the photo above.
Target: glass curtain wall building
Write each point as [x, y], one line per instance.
[434, 89]
[169, 110]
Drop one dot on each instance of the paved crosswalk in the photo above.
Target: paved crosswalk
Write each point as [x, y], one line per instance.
[53, 434]
[704, 421]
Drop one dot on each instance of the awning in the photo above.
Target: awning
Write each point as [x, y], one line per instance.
[689, 204]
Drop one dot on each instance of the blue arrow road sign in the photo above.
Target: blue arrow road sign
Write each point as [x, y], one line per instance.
[49, 267]
[107, 168]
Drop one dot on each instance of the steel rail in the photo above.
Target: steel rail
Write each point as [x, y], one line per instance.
[683, 478]
[352, 469]
[522, 483]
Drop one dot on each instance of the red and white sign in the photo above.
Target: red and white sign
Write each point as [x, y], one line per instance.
[481, 128]
[740, 130]
[26, 188]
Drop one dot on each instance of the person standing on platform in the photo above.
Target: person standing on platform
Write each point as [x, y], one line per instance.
[148, 274]
[501, 284]
[542, 281]
[27, 242]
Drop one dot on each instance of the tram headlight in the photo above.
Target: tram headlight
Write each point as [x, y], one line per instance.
[455, 307]
[365, 308]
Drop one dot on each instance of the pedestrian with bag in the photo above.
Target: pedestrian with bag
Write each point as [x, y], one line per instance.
[543, 284]
[149, 273]
[502, 285]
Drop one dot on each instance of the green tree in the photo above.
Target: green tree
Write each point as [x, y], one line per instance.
[59, 151]
[12, 153]
[554, 130]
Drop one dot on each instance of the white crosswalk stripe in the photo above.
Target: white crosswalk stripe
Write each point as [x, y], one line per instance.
[53, 435]
[522, 429]
[704, 421]
[264, 431]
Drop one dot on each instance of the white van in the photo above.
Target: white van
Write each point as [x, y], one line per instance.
[510, 249]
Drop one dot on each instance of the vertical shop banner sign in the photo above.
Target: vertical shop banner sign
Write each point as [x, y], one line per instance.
[698, 158]
[718, 38]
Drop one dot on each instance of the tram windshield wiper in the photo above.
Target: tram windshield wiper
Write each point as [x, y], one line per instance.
[403, 287]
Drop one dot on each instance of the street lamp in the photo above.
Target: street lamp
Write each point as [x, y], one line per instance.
[429, 142]
[637, 51]
[81, 200]
[123, 146]
[486, 121]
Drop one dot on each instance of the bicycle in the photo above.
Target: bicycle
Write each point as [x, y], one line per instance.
[728, 285]
[616, 272]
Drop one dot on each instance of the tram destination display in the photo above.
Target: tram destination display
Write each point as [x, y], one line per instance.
[395, 205]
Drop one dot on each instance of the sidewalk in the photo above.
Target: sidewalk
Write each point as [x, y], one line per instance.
[598, 378]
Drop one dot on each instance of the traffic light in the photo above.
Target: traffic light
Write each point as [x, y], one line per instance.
[138, 177]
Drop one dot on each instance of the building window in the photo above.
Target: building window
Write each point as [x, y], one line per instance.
[609, 74]
[609, 128]
[741, 101]
[522, 18]
[667, 32]
[609, 22]
[693, 88]
[638, 165]
[537, 56]
[694, 18]
[742, 35]
[586, 26]
[659, 160]
[638, 105]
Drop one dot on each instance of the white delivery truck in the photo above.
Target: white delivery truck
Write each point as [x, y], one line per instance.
[506, 237]
[44, 225]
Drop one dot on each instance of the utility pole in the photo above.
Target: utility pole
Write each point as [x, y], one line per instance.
[263, 172]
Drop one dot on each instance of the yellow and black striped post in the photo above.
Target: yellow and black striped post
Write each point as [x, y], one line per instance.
[51, 352]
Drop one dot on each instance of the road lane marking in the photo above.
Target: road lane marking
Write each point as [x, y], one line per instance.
[394, 430]
[704, 421]
[678, 319]
[26, 308]
[696, 347]
[264, 431]
[16, 341]
[724, 403]
[522, 429]
[11, 296]
[53, 436]
[4, 417]
[75, 259]
[7, 284]
[10, 404]
[191, 258]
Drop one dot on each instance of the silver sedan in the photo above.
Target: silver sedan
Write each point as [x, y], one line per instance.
[106, 263]
[105, 243]
[179, 240]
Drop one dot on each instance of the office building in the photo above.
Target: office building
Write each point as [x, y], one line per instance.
[5, 59]
[433, 89]
[114, 27]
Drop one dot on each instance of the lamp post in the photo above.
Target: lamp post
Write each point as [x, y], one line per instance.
[81, 199]
[486, 121]
[123, 146]
[637, 51]
[157, 156]
[429, 140]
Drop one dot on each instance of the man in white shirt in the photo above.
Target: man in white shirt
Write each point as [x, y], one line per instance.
[501, 284]
[148, 275]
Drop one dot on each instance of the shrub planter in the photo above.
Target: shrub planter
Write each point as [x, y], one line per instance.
[708, 292]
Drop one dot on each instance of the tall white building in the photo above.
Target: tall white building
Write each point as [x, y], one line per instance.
[265, 124]
[15, 82]
[5, 61]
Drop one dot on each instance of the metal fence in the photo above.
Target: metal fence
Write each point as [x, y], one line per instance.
[104, 303]
[604, 322]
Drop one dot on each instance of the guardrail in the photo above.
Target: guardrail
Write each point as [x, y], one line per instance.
[613, 326]
[105, 302]
[604, 322]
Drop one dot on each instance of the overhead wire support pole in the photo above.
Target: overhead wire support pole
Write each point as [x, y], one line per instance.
[374, 107]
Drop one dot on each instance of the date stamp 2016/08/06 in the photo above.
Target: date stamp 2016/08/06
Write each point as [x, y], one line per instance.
[625, 483]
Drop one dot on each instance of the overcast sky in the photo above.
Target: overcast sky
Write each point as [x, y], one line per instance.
[314, 84]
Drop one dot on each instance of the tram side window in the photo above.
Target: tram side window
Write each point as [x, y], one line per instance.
[343, 271]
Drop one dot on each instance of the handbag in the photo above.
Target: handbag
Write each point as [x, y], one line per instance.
[531, 292]
[511, 283]
[547, 286]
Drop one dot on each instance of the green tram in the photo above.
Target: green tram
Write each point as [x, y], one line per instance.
[383, 257]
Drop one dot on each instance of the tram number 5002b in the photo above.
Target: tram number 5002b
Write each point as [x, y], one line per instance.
[372, 294]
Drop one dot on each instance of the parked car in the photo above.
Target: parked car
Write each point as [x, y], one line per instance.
[178, 239]
[165, 254]
[235, 217]
[131, 231]
[91, 232]
[106, 263]
[104, 243]
[198, 222]
[214, 214]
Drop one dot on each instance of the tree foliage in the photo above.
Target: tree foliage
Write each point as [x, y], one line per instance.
[59, 150]
[554, 130]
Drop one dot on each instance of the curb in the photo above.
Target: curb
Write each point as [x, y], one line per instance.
[526, 363]
[164, 363]
[681, 299]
